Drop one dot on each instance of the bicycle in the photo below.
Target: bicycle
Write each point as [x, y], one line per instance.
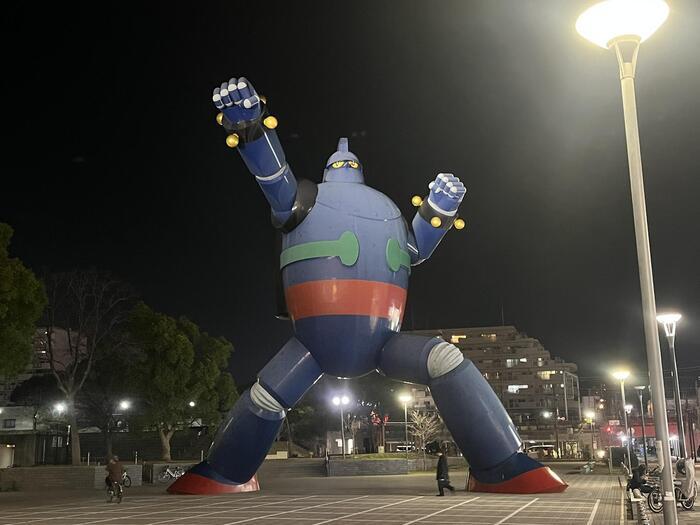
[126, 480]
[115, 490]
[169, 473]
[655, 499]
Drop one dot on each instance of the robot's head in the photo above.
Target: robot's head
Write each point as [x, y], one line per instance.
[343, 166]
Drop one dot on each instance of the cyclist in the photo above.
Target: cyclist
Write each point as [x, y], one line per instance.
[115, 471]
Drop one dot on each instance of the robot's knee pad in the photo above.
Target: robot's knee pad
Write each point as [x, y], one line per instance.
[443, 358]
[263, 399]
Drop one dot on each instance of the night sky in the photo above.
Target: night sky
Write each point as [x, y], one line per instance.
[112, 158]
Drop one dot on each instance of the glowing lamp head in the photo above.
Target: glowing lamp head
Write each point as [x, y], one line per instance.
[192, 403]
[60, 407]
[405, 398]
[621, 375]
[125, 405]
[590, 414]
[546, 415]
[606, 21]
[669, 321]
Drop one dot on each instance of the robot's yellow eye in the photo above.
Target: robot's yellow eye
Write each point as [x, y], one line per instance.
[338, 164]
[353, 164]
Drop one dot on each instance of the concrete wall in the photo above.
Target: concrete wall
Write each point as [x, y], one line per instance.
[60, 477]
[369, 467]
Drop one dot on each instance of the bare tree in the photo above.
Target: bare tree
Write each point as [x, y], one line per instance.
[424, 427]
[85, 309]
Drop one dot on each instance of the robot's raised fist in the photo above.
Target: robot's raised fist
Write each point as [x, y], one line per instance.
[446, 193]
[238, 101]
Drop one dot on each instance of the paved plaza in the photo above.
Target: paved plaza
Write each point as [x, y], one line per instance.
[395, 500]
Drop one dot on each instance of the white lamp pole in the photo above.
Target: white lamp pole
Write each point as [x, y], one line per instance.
[405, 399]
[669, 322]
[621, 376]
[341, 401]
[622, 25]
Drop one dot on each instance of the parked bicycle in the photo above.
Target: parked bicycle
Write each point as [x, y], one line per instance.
[685, 489]
[126, 480]
[169, 473]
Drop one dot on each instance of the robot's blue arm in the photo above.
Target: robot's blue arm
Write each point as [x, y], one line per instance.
[252, 130]
[436, 215]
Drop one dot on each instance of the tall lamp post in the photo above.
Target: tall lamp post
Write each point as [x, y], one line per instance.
[405, 399]
[622, 25]
[640, 390]
[621, 375]
[341, 401]
[669, 322]
[590, 416]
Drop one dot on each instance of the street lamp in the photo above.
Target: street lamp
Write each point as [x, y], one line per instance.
[192, 404]
[60, 408]
[590, 415]
[669, 322]
[125, 405]
[341, 401]
[405, 399]
[621, 375]
[640, 390]
[622, 25]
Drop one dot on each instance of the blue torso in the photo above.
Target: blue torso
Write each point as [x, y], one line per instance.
[347, 345]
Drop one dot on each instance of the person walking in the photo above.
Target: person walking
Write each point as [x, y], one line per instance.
[443, 475]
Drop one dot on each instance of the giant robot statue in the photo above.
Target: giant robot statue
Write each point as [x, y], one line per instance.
[346, 257]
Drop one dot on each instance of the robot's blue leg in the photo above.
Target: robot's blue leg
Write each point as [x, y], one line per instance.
[472, 412]
[251, 426]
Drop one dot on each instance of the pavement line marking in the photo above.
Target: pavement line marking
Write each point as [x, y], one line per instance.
[171, 509]
[622, 508]
[365, 511]
[88, 514]
[595, 509]
[441, 511]
[230, 509]
[515, 512]
[288, 511]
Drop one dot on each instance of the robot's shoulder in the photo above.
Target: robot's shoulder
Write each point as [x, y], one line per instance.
[357, 200]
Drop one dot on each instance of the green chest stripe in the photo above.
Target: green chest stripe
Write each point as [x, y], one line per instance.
[346, 248]
[396, 257]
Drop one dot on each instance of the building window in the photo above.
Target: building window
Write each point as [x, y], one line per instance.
[487, 361]
[510, 363]
[486, 375]
[540, 361]
[514, 389]
[546, 374]
[523, 359]
[9, 423]
[547, 388]
[456, 338]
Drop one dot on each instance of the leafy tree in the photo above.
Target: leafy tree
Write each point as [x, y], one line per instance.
[106, 388]
[22, 299]
[84, 314]
[178, 366]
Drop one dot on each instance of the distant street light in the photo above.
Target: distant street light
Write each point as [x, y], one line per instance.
[669, 322]
[60, 408]
[192, 404]
[590, 416]
[621, 375]
[405, 399]
[622, 25]
[125, 405]
[640, 389]
[341, 401]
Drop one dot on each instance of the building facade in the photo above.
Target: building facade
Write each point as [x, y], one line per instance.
[541, 393]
